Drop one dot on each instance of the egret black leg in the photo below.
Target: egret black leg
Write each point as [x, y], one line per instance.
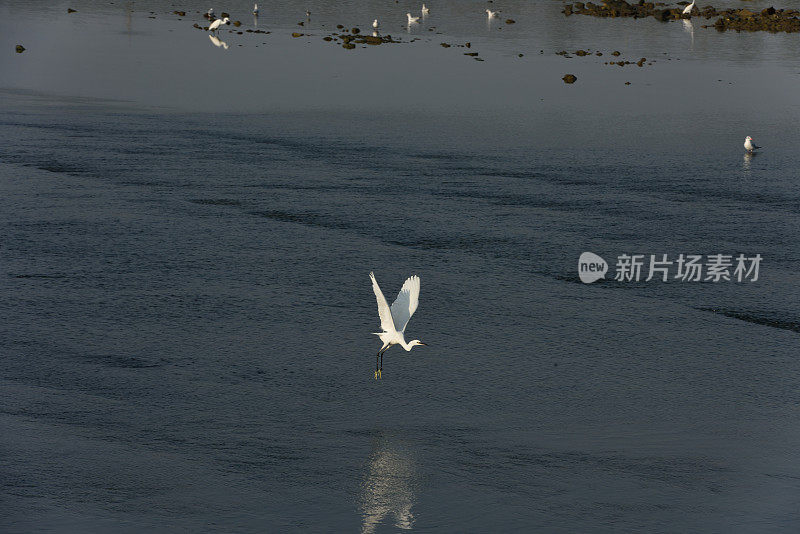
[380, 369]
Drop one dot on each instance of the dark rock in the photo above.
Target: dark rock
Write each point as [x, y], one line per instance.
[473, 54]
[641, 62]
[348, 46]
[20, 49]
[510, 21]
[569, 78]
[370, 40]
[661, 14]
[615, 53]
[179, 13]
[444, 45]
[581, 53]
[339, 26]
[355, 30]
[237, 23]
[329, 38]
[70, 10]
[295, 34]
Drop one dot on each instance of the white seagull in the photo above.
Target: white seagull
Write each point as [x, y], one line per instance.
[688, 9]
[425, 10]
[255, 9]
[412, 19]
[492, 14]
[375, 24]
[214, 26]
[395, 319]
[749, 145]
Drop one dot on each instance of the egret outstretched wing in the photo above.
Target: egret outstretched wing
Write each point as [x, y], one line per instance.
[387, 324]
[406, 303]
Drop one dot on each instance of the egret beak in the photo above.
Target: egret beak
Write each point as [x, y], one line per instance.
[421, 343]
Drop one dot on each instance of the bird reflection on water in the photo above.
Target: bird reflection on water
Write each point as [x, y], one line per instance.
[748, 158]
[688, 27]
[217, 42]
[388, 485]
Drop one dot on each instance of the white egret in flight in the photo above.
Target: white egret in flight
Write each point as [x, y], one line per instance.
[395, 319]
[492, 14]
[412, 20]
[425, 10]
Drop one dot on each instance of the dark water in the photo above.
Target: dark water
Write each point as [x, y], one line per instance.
[186, 319]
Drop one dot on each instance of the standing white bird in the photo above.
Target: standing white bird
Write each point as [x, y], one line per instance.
[255, 9]
[412, 20]
[210, 12]
[425, 10]
[375, 24]
[749, 145]
[395, 319]
[492, 14]
[688, 9]
[308, 14]
[214, 26]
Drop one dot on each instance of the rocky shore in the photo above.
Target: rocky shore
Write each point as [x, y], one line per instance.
[769, 19]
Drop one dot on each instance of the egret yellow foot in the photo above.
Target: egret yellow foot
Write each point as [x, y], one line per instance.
[378, 375]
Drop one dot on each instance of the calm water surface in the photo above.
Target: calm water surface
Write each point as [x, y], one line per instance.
[186, 232]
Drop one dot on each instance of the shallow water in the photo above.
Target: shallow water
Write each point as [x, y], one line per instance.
[187, 233]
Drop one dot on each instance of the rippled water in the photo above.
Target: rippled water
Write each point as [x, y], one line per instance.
[187, 232]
